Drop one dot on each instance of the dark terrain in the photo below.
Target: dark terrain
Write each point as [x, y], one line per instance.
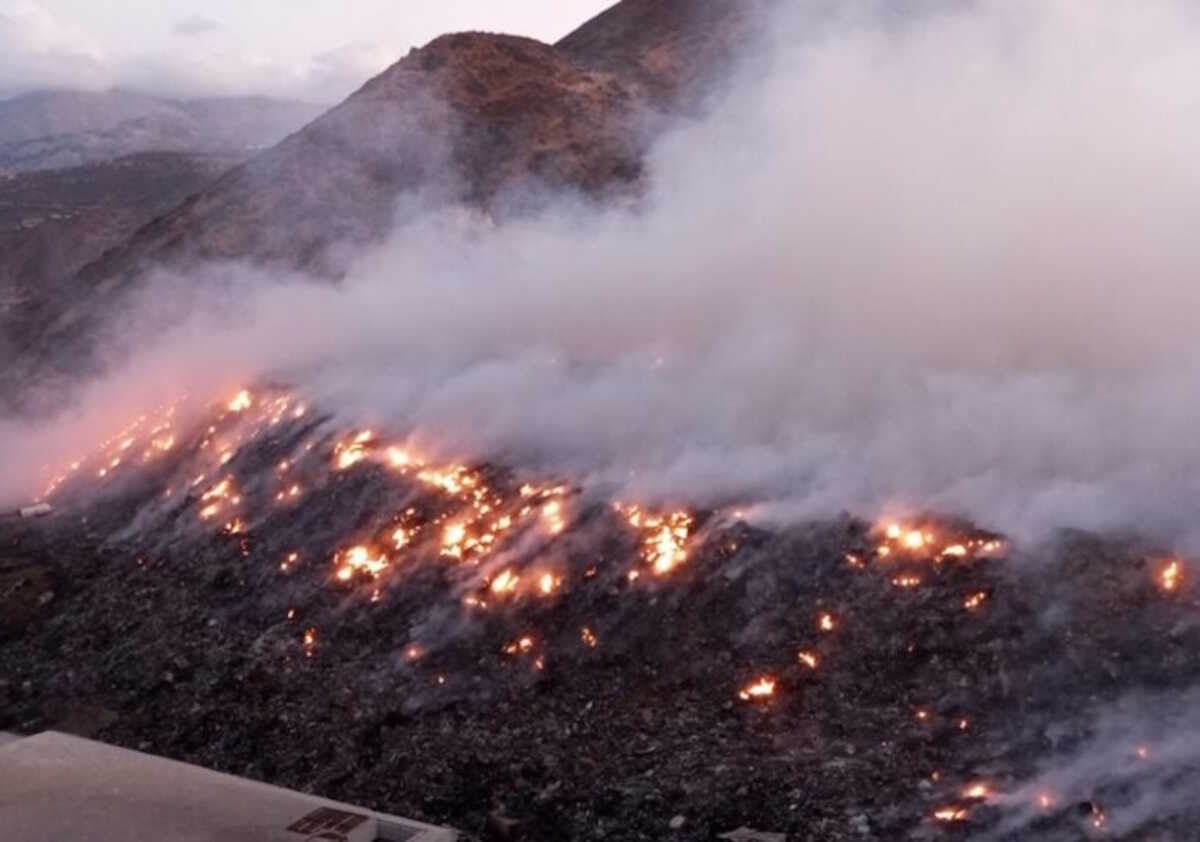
[140, 619]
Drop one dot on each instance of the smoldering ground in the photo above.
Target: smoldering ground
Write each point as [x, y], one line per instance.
[936, 260]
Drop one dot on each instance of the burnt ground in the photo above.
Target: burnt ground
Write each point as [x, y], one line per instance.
[177, 641]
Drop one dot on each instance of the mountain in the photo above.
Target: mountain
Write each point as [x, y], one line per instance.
[53, 222]
[669, 53]
[492, 122]
[52, 129]
[457, 120]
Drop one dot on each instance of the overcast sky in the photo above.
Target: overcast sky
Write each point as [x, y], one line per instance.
[310, 49]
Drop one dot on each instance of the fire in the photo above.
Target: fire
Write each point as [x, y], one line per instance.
[974, 600]
[452, 540]
[1170, 575]
[826, 622]
[588, 637]
[506, 582]
[552, 513]
[808, 658]
[548, 584]
[453, 480]
[951, 814]
[977, 792]
[241, 401]
[761, 689]
[360, 559]
[908, 540]
[349, 453]
[664, 536]
[519, 646]
[906, 581]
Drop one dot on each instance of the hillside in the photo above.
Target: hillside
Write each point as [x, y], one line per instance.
[668, 52]
[53, 222]
[265, 591]
[467, 119]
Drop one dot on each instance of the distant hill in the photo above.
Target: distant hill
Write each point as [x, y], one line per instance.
[53, 129]
[53, 222]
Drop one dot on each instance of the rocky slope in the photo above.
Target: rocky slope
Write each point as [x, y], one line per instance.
[669, 52]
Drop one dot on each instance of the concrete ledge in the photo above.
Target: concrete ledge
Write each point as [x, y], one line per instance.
[55, 786]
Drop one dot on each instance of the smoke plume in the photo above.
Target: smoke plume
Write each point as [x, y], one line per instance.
[940, 259]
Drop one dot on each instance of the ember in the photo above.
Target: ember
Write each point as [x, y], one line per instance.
[974, 600]
[951, 814]
[360, 559]
[1170, 575]
[241, 402]
[761, 689]
[977, 792]
[506, 582]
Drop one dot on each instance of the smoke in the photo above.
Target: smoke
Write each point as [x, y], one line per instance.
[941, 259]
[1134, 769]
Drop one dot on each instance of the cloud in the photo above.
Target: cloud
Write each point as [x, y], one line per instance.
[194, 25]
[37, 50]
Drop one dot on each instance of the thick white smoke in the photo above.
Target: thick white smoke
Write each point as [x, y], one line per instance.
[942, 259]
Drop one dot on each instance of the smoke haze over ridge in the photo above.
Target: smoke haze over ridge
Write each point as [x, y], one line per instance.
[939, 261]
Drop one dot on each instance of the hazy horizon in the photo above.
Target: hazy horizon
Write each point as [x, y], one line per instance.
[314, 52]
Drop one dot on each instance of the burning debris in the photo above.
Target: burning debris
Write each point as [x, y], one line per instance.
[1170, 575]
[925, 541]
[475, 579]
[760, 690]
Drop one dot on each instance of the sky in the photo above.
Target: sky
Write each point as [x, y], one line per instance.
[317, 50]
